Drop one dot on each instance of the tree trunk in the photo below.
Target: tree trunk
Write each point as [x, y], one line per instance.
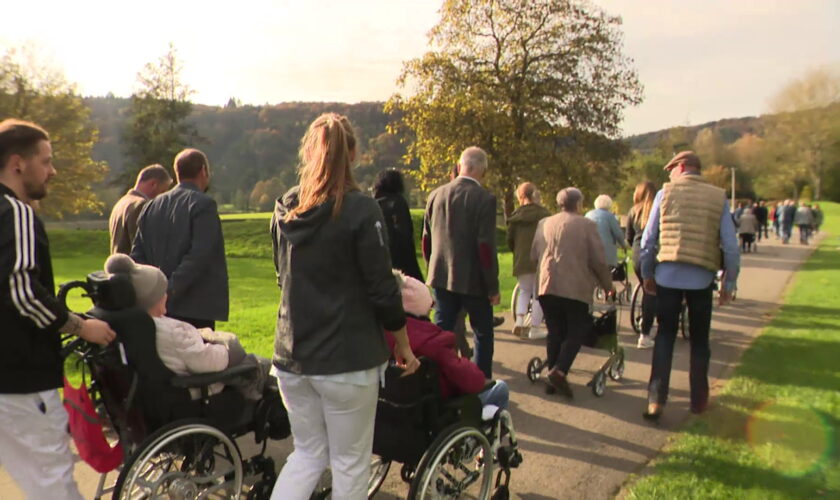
[508, 201]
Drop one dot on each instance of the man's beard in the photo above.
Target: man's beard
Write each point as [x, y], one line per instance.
[35, 191]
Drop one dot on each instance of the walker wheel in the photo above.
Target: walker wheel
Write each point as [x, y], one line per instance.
[535, 366]
[599, 384]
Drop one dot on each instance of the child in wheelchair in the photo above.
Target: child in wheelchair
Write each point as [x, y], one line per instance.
[187, 350]
[458, 375]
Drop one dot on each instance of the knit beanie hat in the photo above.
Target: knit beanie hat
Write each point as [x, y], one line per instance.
[416, 297]
[149, 282]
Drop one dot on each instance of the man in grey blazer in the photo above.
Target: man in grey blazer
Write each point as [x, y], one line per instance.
[180, 232]
[459, 244]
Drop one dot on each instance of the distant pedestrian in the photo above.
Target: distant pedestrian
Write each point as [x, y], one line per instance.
[151, 181]
[637, 218]
[570, 261]
[788, 212]
[747, 229]
[761, 215]
[775, 215]
[689, 225]
[818, 217]
[180, 233]
[522, 224]
[804, 219]
[459, 243]
[389, 191]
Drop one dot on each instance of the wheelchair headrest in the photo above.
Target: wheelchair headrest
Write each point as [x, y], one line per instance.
[111, 292]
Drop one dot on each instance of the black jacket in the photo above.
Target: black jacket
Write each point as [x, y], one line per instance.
[180, 233]
[400, 234]
[338, 292]
[30, 315]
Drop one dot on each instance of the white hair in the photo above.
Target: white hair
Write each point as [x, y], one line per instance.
[603, 202]
[473, 161]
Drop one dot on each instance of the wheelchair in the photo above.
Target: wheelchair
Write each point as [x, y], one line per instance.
[174, 446]
[623, 287]
[448, 449]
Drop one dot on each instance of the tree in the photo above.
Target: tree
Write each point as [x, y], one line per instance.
[807, 128]
[34, 91]
[530, 81]
[157, 127]
[266, 192]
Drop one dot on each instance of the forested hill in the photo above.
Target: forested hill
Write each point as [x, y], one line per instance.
[249, 144]
[730, 130]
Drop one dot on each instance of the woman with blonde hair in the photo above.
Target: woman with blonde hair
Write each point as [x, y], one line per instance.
[637, 220]
[338, 295]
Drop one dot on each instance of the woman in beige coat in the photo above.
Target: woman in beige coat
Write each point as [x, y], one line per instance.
[570, 262]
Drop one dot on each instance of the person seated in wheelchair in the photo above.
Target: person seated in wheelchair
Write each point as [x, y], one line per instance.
[185, 349]
[458, 375]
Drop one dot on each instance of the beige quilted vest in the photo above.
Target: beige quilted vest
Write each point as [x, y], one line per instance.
[689, 222]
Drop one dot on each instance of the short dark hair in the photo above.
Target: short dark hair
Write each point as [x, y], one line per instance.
[156, 172]
[18, 137]
[389, 181]
[189, 162]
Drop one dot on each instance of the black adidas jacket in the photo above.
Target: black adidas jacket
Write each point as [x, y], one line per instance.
[30, 315]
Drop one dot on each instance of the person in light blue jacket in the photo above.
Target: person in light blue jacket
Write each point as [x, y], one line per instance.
[608, 228]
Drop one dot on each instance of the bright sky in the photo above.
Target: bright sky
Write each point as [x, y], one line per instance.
[698, 60]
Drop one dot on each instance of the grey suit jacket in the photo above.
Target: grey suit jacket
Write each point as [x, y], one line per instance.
[180, 233]
[459, 239]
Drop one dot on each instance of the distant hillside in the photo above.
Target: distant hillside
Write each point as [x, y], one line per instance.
[247, 144]
[731, 129]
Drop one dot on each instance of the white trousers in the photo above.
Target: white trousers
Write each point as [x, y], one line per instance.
[34, 445]
[527, 292]
[332, 424]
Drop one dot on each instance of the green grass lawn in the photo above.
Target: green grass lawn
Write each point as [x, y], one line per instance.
[773, 430]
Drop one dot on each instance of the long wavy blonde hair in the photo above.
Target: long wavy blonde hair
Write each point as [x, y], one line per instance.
[326, 155]
[643, 198]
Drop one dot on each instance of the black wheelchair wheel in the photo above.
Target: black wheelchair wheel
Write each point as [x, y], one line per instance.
[458, 464]
[684, 321]
[599, 384]
[535, 366]
[636, 309]
[185, 459]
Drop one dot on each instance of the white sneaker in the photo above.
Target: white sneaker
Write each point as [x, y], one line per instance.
[537, 332]
[645, 342]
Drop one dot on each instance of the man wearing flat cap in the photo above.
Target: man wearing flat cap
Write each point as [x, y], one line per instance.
[688, 232]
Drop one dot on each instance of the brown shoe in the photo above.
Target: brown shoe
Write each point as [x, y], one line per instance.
[558, 380]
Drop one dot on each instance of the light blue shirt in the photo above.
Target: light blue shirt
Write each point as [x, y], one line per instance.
[610, 233]
[688, 276]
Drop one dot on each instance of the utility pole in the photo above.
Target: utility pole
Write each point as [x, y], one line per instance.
[732, 200]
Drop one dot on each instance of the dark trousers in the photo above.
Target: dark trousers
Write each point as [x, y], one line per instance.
[447, 307]
[669, 303]
[746, 242]
[804, 233]
[198, 323]
[648, 303]
[762, 226]
[568, 321]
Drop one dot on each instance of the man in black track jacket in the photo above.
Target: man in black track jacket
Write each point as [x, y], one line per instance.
[33, 422]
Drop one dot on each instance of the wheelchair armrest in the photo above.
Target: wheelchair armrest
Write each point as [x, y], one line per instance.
[205, 379]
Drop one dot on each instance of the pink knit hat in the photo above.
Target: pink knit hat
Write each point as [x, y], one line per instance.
[416, 297]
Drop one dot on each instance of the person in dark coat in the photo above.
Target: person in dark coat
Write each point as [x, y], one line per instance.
[459, 243]
[389, 191]
[522, 224]
[180, 233]
[339, 297]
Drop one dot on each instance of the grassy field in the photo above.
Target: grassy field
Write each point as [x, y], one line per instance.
[253, 291]
[773, 431]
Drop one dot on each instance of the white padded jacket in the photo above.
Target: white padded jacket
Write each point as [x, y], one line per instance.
[183, 350]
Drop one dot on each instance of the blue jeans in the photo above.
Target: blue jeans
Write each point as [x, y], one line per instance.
[498, 395]
[668, 306]
[449, 304]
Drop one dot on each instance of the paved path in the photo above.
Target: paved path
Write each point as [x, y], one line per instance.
[587, 448]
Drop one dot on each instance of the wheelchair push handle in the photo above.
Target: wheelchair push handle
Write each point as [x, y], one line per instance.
[65, 288]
